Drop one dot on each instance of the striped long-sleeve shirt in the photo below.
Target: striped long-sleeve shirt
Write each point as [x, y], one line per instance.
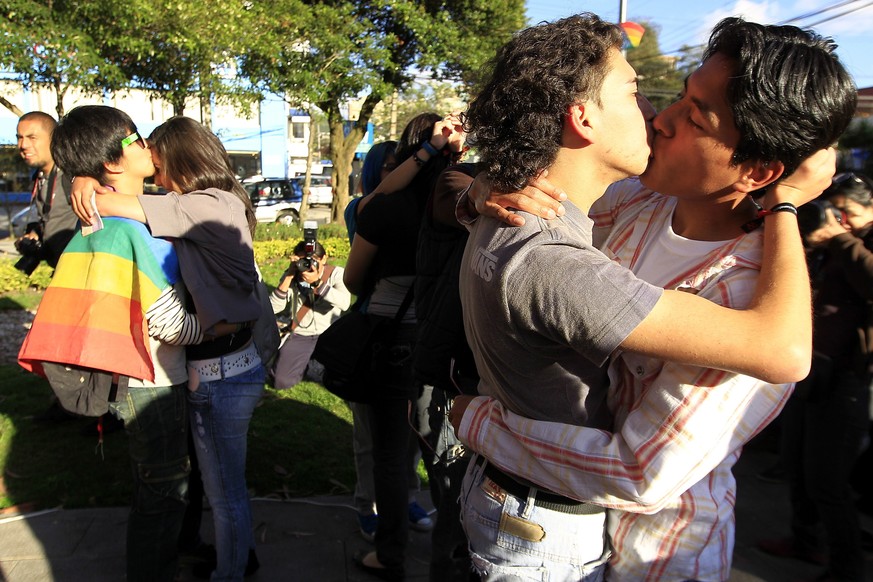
[665, 471]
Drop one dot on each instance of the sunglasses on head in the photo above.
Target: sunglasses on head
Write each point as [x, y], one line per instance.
[848, 177]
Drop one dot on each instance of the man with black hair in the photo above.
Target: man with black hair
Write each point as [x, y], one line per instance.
[56, 221]
[544, 310]
[112, 306]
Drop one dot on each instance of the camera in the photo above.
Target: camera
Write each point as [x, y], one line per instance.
[31, 254]
[310, 235]
[813, 215]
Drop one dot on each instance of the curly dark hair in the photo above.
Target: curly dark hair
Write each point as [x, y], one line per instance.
[789, 94]
[534, 79]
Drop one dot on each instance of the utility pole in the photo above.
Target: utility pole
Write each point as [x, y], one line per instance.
[622, 17]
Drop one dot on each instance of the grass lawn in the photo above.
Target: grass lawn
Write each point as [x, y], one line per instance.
[299, 445]
[300, 440]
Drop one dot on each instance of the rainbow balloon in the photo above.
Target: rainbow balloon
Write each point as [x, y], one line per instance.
[634, 33]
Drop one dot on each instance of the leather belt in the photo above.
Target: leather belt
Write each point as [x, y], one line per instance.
[544, 498]
[227, 366]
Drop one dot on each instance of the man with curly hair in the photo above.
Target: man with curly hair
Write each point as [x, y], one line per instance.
[544, 309]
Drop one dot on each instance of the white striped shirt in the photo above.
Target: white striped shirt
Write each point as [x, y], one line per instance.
[666, 470]
[170, 323]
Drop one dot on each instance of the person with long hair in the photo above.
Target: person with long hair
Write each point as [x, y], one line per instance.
[385, 172]
[381, 268]
[210, 219]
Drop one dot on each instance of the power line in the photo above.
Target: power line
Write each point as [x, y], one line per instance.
[797, 18]
[820, 11]
[841, 14]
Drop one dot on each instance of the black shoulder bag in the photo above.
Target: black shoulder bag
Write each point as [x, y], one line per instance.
[346, 350]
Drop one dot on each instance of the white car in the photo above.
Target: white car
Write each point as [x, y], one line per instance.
[320, 190]
[276, 200]
[22, 218]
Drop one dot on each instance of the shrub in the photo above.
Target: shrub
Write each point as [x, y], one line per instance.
[272, 231]
[267, 251]
[11, 279]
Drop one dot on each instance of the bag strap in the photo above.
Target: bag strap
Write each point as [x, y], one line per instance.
[304, 309]
[405, 305]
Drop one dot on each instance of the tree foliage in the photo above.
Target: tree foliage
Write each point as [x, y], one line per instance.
[45, 46]
[174, 49]
[660, 80]
[326, 53]
[317, 53]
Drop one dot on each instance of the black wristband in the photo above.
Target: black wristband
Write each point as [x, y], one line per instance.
[781, 207]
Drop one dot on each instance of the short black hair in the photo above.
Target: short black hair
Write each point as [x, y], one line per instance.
[789, 93]
[88, 137]
[47, 121]
[300, 249]
[518, 116]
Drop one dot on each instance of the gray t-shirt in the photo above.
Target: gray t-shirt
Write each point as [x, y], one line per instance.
[543, 310]
[214, 246]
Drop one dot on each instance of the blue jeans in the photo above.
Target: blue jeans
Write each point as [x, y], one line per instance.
[220, 414]
[157, 428]
[514, 539]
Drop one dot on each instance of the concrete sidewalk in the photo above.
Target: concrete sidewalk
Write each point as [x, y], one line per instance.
[310, 539]
[314, 539]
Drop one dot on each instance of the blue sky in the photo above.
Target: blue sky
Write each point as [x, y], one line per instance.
[689, 21]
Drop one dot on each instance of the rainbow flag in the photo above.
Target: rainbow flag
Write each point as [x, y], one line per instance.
[93, 312]
[634, 33]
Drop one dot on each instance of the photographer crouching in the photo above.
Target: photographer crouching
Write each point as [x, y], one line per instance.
[827, 417]
[317, 297]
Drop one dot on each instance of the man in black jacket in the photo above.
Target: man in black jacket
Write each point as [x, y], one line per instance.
[56, 222]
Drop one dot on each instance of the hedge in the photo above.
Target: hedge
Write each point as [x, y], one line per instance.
[266, 251]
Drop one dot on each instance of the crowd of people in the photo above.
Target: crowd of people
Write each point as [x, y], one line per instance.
[591, 321]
